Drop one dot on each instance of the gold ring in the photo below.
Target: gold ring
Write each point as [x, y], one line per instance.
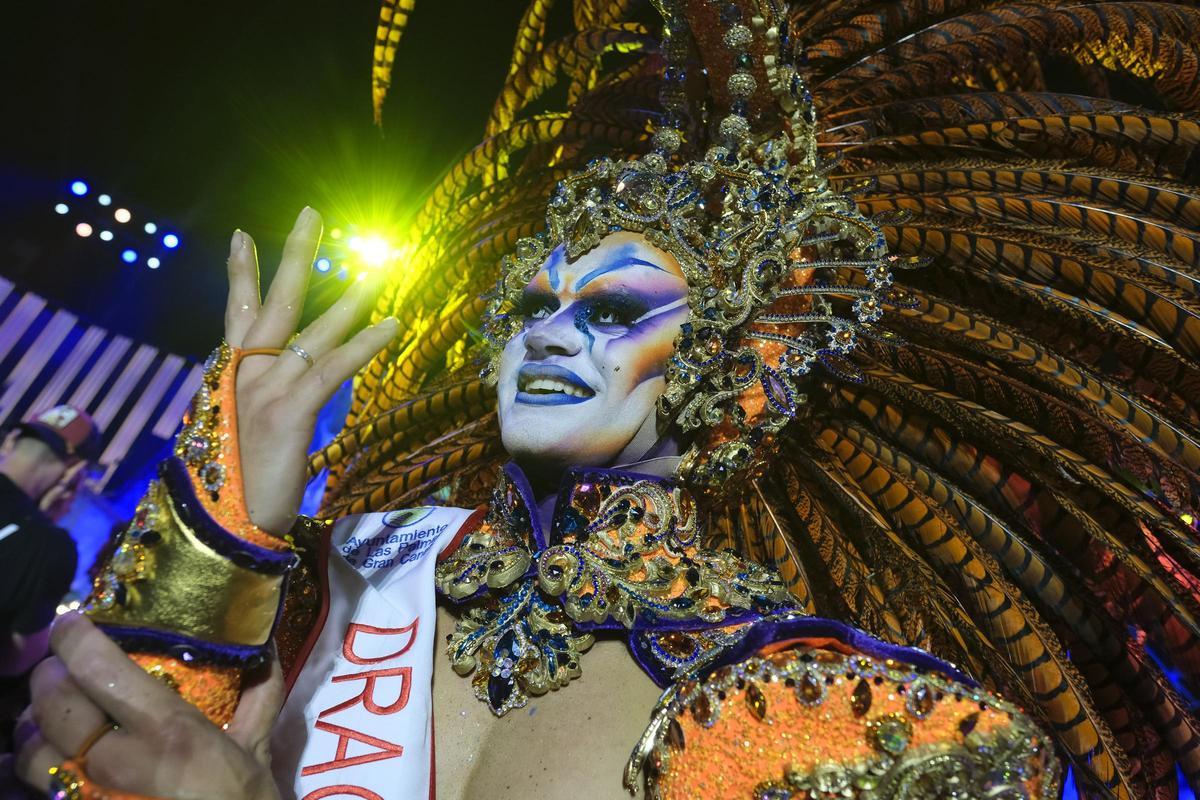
[96, 736]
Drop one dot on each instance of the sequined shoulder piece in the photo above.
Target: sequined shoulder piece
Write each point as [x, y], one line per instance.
[812, 723]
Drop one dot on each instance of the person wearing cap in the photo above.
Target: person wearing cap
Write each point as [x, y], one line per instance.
[41, 464]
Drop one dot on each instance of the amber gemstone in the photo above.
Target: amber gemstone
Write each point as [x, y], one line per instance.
[675, 735]
[757, 701]
[860, 700]
[810, 689]
[678, 644]
[702, 710]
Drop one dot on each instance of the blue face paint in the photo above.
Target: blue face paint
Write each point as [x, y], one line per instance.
[583, 313]
[552, 263]
[619, 262]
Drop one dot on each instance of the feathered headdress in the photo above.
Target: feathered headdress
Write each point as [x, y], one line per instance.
[1007, 473]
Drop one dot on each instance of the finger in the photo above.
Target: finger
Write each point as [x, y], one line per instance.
[34, 761]
[280, 313]
[241, 306]
[327, 331]
[338, 366]
[256, 712]
[64, 715]
[24, 729]
[111, 680]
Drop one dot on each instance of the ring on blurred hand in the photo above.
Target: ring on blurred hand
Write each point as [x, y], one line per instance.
[300, 351]
[97, 735]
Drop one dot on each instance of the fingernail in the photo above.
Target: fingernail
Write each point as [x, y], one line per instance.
[235, 242]
[389, 322]
[305, 216]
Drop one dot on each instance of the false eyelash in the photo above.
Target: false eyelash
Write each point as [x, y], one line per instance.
[529, 303]
[626, 308]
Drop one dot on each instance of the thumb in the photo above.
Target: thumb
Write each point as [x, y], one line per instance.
[257, 710]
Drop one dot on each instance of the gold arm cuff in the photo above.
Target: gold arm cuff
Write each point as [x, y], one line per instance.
[164, 577]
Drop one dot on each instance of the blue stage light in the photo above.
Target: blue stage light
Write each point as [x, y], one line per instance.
[61, 208]
[128, 256]
[170, 241]
[323, 265]
[150, 227]
[153, 263]
[104, 200]
[343, 273]
[79, 188]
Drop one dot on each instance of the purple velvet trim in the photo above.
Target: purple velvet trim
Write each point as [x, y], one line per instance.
[185, 648]
[525, 492]
[239, 551]
[769, 631]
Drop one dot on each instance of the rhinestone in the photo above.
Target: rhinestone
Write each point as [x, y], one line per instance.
[741, 84]
[738, 37]
[891, 733]
[920, 701]
[702, 710]
[860, 700]
[810, 689]
[125, 561]
[675, 735]
[735, 127]
[756, 701]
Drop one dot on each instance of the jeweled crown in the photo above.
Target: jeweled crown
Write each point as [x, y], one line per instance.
[784, 273]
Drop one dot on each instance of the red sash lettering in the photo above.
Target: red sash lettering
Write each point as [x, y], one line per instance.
[351, 791]
[368, 693]
[372, 680]
[355, 629]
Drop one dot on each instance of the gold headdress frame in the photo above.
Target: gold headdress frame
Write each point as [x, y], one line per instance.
[784, 273]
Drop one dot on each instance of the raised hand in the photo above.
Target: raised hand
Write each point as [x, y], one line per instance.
[278, 397]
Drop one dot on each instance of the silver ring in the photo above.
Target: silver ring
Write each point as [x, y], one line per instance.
[300, 351]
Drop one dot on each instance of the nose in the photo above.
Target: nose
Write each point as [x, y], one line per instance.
[556, 335]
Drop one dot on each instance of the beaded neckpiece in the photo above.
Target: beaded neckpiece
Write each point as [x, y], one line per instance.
[622, 554]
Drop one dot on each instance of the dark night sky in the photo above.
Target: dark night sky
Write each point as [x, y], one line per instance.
[215, 115]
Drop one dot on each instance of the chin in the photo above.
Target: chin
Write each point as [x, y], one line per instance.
[555, 436]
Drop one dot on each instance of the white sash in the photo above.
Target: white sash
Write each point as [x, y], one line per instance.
[358, 721]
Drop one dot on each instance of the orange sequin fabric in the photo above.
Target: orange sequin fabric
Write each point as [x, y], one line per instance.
[812, 723]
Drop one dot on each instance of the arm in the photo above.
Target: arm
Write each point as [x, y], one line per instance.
[255, 420]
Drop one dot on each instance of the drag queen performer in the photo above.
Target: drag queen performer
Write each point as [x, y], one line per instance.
[739, 521]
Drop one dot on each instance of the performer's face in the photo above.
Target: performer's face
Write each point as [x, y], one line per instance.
[578, 385]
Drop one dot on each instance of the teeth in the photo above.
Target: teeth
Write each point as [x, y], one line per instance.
[546, 385]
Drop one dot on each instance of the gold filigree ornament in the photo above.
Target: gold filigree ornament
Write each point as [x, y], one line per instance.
[784, 275]
[634, 561]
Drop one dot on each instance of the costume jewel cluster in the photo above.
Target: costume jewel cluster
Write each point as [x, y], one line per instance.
[626, 559]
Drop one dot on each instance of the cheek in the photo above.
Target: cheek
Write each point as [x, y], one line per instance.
[510, 359]
[641, 354]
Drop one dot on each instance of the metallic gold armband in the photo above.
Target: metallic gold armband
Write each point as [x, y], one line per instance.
[192, 576]
[180, 584]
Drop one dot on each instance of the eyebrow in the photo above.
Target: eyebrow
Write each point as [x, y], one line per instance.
[612, 266]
